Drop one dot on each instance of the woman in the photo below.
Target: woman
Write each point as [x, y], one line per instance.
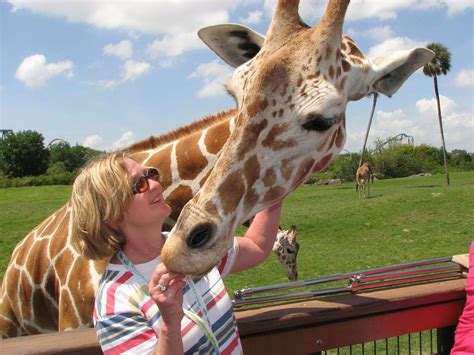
[142, 307]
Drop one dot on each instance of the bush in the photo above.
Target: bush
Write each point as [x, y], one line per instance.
[66, 178]
[24, 154]
[72, 158]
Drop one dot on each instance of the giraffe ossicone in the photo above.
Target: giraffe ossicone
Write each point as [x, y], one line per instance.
[291, 100]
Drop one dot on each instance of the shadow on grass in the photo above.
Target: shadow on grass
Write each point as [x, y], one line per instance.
[422, 186]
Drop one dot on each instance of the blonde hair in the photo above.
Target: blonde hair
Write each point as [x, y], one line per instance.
[100, 195]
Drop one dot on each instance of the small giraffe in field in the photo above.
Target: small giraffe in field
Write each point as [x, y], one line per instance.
[363, 179]
[291, 90]
[286, 249]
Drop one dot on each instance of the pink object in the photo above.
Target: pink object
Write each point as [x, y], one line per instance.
[464, 336]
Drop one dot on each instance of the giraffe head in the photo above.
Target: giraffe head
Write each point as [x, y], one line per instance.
[291, 99]
[286, 250]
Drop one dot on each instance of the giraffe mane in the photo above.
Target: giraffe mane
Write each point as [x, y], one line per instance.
[196, 126]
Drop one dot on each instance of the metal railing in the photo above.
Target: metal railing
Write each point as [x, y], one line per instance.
[431, 270]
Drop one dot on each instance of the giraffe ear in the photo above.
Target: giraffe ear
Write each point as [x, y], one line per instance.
[393, 70]
[235, 44]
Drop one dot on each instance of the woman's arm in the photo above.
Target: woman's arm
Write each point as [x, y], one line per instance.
[257, 243]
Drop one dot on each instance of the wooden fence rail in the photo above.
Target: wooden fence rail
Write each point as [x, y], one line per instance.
[305, 327]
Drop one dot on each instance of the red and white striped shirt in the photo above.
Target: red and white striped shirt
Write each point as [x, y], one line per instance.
[127, 319]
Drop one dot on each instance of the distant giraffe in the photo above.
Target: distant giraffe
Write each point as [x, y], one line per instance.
[290, 122]
[286, 249]
[364, 177]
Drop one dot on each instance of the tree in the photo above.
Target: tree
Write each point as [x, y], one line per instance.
[440, 64]
[71, 158]
[24, 154]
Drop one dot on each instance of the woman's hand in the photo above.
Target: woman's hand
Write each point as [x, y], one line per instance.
[166, 289]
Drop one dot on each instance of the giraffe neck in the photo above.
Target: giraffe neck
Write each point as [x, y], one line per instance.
[61, 282]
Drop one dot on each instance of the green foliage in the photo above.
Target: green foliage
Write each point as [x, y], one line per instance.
[441, 63]
[390, 159]
[23, 153]
[461, 160]
[72, 157]
[64, 178]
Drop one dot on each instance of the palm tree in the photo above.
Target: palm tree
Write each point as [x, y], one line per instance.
[440, 64]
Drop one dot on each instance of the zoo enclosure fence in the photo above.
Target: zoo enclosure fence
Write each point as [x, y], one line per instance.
[349, 323]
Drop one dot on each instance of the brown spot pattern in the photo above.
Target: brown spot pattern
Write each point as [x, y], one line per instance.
[269, 178]
[354, 50]
[231, 191]
[42, 316]
[251, 170]
[189, 157]
[274, 194]
[178, 198]
[321, 164]
[211, 208]
[162, 162]
[303, 170]
[271, 140]
[340, 137]
[331, 72]
[216, 137]
[250, 199]
[345, 65]
[258, 104]
[250, 137]
[286, 168]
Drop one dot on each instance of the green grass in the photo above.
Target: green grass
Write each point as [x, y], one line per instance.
[404, 220]
[23, 208]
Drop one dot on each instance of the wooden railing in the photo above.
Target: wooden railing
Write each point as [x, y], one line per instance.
[305, 327]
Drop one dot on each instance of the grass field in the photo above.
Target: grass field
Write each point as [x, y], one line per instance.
[404, 220]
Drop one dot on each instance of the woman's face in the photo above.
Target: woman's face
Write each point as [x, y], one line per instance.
[147, 208]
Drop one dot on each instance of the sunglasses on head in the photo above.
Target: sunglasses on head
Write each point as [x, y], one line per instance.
[142, 183]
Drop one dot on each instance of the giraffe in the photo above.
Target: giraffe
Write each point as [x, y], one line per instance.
[49, 287]
[291, 99]
[286, 249]
[363, 179]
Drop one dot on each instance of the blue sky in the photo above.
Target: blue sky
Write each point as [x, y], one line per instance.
[108, 73]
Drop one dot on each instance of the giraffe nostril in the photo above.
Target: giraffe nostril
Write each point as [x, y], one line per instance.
[200, 236]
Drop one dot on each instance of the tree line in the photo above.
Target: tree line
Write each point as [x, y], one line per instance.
[25, 160]
[395, 160]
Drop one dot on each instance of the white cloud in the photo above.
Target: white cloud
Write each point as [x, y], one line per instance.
[133, 70]
[174, 21]
[124, 141]
[35, 72]
[430, 106]
[465, 77]
[421, 123]
[392, 45]
[93, 141]
[457, 6]
[123, 49]
[378, 33]
[253, 17]
[173, 45]
[214, 75]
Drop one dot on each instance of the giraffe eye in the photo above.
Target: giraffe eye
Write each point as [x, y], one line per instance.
[315, 122]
